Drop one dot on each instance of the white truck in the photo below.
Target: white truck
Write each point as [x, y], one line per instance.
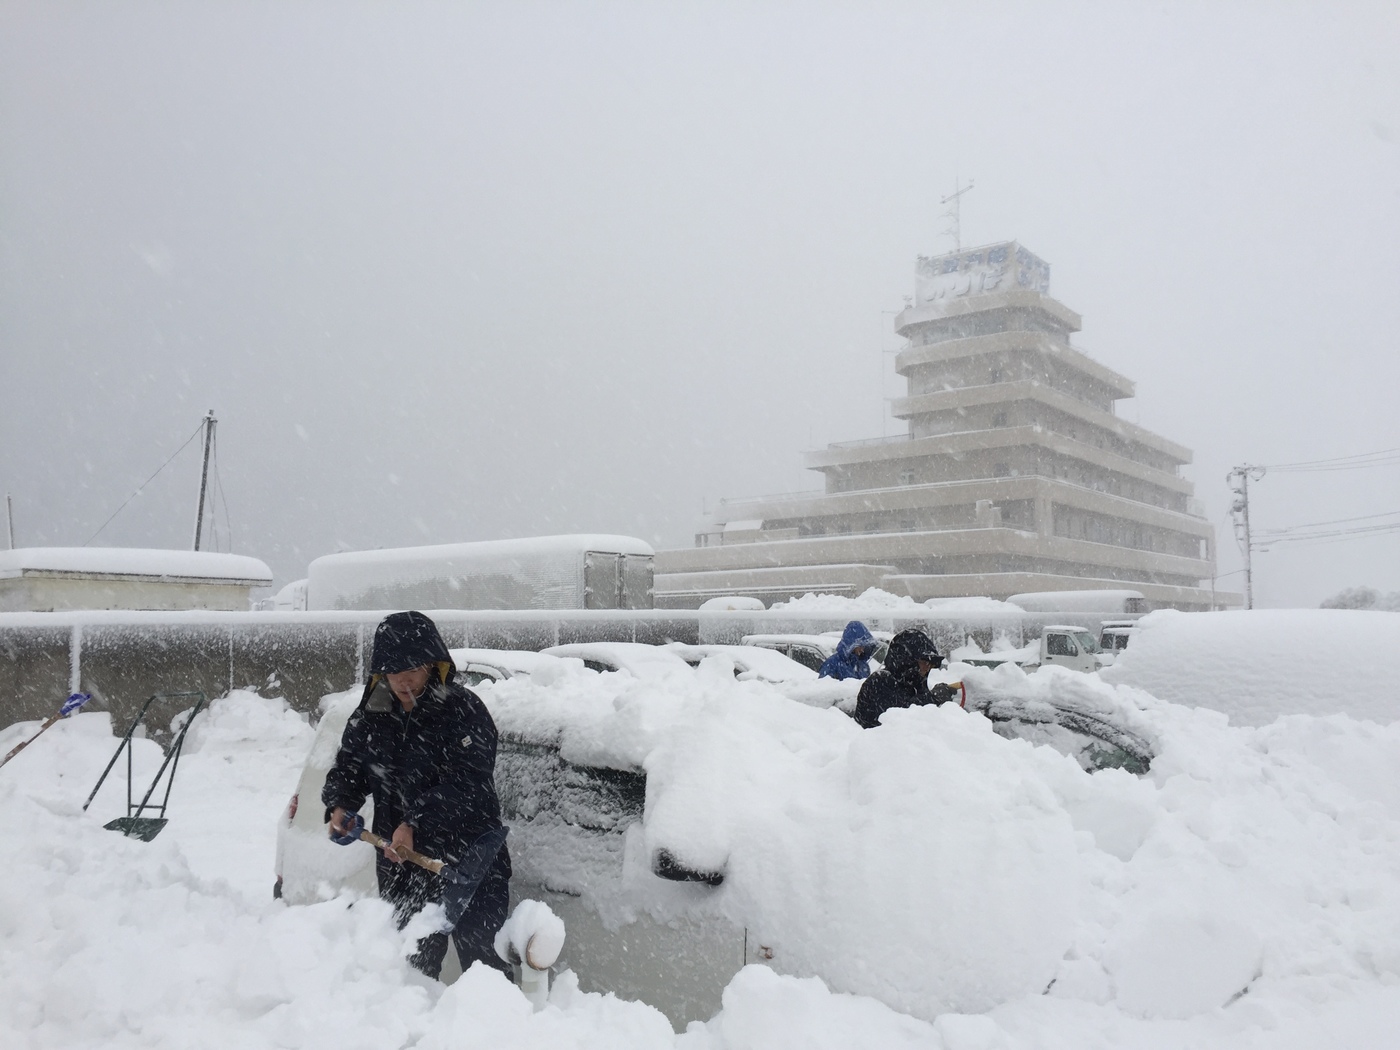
[545, 572]
[1067, 646]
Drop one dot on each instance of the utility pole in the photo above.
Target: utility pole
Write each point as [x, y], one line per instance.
[1238, 480]
[10, 521]
[209, 423]
[955, 213]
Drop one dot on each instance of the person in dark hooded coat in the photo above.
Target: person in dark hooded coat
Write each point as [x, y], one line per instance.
[904, 680]
[424, 747]
[852, 656]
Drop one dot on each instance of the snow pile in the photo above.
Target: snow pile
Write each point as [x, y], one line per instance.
[876, 599]
[1255, 666]
[1002, 647]
[970, 606]
[872, 598]
[805, 814]
[808, 815]
[107, 941]
[1245, 892]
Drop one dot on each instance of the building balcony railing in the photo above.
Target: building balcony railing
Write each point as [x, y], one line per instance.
[865, 442]
[1194, 507]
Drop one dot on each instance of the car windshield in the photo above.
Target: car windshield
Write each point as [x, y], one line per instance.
[1086, 641]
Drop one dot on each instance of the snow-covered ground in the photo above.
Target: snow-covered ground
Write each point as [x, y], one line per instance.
[953, 888]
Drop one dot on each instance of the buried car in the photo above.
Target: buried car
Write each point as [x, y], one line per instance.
[637, 805]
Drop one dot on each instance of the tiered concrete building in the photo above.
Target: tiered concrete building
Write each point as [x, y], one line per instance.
[1015, 474]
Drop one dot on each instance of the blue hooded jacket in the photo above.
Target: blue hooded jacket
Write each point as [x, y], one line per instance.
[844, 663]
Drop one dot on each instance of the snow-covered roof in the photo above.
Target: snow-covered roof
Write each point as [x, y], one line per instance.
[503, 549]
[142, 563]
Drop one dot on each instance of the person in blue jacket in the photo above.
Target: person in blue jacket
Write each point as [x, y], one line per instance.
[424, 746]
[852, 656]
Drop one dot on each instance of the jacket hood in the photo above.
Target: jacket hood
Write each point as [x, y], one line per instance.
[906, 649]
[855, 636]
[406, 640]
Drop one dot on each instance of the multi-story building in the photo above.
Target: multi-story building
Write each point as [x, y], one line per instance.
[1015, 474]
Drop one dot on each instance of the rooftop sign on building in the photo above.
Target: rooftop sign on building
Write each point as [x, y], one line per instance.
[977, 271]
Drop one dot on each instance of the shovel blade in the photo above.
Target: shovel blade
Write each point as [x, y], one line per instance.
[143, 828]
[460, 880]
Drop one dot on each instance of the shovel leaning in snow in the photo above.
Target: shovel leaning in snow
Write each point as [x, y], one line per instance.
[136, 825]
[70, 705]
[460, 880]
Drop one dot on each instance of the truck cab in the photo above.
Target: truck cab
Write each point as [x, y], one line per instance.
[1113, 639]
[1068, 646]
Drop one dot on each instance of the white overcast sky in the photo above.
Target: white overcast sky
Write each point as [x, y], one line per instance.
[465, 271]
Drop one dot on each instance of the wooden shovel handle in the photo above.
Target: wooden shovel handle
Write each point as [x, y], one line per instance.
[380, 842]
[20, 747]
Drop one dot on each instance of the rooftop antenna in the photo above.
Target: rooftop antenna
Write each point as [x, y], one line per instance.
[955, 212]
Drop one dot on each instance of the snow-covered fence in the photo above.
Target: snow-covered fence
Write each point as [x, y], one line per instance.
[122, 657]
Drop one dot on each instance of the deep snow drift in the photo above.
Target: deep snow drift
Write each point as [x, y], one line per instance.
[977, 892]
[1257, 665]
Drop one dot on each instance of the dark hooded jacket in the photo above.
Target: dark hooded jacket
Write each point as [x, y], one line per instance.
[900, 684]
[844, 663]
[432, 768]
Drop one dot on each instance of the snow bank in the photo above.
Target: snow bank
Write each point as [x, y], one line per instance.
[805, 815]
[875, 598]
[1255, 666]
[1245, 893]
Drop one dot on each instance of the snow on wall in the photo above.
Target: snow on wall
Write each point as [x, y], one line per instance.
[545, 572]
[132, 561]
[1258, 665]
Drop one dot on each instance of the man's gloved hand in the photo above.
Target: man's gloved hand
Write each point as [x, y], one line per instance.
[942, 692]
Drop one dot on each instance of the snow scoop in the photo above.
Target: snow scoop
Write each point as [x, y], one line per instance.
[135, 825]
[70, 705]
[460, 881]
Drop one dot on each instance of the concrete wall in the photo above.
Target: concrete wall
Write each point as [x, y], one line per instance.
[41, 592]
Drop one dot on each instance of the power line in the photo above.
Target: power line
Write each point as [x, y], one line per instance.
[144, 484]
[1319, 524]
[1329, 535]
[1381, 458]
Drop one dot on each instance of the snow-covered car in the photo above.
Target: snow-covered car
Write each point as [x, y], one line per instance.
[620, 819]
[812, 650]
[479, 665]
[750, 661]
[569, 824]
[635, 658]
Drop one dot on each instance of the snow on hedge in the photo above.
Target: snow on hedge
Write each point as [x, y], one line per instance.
[1255, 666]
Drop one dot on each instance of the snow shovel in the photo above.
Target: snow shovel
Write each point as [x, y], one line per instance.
[460, 881]
[136, 825]
[70, 705]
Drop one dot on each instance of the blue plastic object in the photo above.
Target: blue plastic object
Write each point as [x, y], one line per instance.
[357, 825]
[75, 701]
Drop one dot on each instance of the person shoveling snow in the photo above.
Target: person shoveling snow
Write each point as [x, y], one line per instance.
[424, 747]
